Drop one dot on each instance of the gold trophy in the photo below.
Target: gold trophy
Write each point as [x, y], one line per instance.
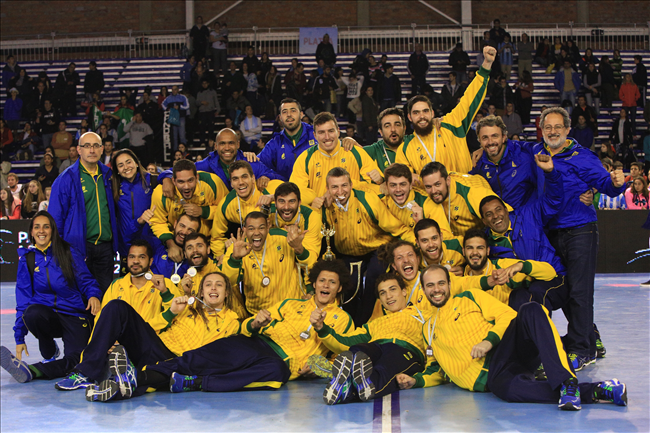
[328, 233]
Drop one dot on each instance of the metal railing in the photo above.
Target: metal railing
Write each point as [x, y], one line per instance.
[135, 44]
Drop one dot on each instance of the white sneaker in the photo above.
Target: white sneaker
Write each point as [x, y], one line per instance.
[646, 284]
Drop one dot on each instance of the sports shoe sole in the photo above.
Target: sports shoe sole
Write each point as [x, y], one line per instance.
[361, 371]
[320, 366]
[570, 406]
[8, 361]
[118, 362]
[341, 370]
[105, 391]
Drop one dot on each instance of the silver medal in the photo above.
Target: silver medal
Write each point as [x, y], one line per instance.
[304, 335]
[176, 278]
[191, 272]
[266, 281]
[148, 276]
[191, 300]
[429, 351]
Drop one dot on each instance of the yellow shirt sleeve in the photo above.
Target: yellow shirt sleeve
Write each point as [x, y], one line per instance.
[219, 229]
[436, 212]
[300, 177]
[159, 221]
[387, 221]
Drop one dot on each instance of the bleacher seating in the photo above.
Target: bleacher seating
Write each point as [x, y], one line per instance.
[158, 72]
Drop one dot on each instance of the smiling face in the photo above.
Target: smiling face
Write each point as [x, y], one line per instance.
[327, 136]
[340, 188]
[398, 189]
[243, 183]
[421, 116]
[326, 288]
[256, 230]
[436, 287]
[476, 252]
[406, 262]
[227, 146]
[496, 216]
[185, 181]
[554, 131]
[430, 242]
[287, 206]
[41, 231]
[196, 252]
[183, 227]
[214, 291]
[493, 141]
[437, 187]
[138, 261]
[392, 130]
[392, 296]
[126, 166]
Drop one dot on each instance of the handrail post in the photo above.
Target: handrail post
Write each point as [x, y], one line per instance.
[255, 39]
[413, 26]
[130, 33]
[53, 34]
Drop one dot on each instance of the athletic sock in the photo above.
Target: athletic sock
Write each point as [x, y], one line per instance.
[35, 372]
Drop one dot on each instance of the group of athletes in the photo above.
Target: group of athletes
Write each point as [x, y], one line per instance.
[409, 263]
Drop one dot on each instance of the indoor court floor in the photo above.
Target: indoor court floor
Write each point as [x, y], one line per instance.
[622, 314]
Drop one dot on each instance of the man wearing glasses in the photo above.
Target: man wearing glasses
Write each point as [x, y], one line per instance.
[82, 205]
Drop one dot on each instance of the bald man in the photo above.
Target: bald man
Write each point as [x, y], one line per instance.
[82, 205]
[226, 152]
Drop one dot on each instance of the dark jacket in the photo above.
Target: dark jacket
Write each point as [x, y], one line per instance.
[640, 75]
[61, 87]
[326, 52]
[397, 88]
[369, 110]
[418, 64]
[253, 63]
[628, 133]
[94, 81]
[459, 56]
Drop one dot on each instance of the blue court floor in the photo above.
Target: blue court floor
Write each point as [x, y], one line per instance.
[622, 315]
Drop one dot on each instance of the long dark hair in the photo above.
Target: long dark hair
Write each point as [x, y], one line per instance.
[198, 309]
[60, 248]
[5, 207]
[117, 179]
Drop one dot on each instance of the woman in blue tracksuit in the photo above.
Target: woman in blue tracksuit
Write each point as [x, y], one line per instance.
[55, 297]
[132, 189]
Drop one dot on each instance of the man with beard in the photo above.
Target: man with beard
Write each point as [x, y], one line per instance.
[447, 144]
[435, 249]
[573, 231]
[195, 193]
[361, 224]
[481, 344]
[391, 124]
[265, 260]
[240, 201]
[197, 256]
[454, 197]
[184, 226]
[217, 162]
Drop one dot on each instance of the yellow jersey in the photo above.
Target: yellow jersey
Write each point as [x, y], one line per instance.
[452, 255]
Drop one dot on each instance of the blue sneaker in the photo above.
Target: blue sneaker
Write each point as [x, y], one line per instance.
[570, 395]
[361, 371]
[57, 353]
[180, 383]
[338, 389]
[611, 390]
[123, 371]
[18, 369]
[320, 366]
[72, 382]
[579, 362]
[105, 391]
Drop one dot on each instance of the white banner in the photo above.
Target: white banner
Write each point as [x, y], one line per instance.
[310, 37]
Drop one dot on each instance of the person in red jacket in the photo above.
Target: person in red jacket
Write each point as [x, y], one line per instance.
[9, 205]
[629, 93]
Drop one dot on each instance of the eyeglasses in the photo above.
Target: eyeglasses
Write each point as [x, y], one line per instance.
[556, 128]
[91, 146]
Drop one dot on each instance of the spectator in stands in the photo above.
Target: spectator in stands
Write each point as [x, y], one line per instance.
[582, 133]
[95, 111]
[376, 72]
[361, 63]
[585, 110]
[354, 84]
[219, 39]
[636, 169]
[9, 205]
[323, 86]
[629, 94]
[636, 196]
[573, 51]
[7, 140]
[370, 111]
[418, 66]
[47, 173]
[497, 33]
[28, 140]
[234, 80]
[351, 132]
[48, 122]
[200, 74]
[592, 81]
[617, 65]
[208, 103]
[501, 95]
[61, 141]
[93, 81]
[452, 91]
[65, 90]
[164, 93]
[587, 59]
[177, 101]
[538, 129]
[622, 137]
[524, 96]
[107, 155]
[646, 152]
[200, 35]
[236, 106]
[141, 135]
[512, 120]
[525, 48]
[152, 168]
[459, 61]
[43, 78]
[608, 83]
[325, 51]
[606, 202]
[36, 101]
[296, 83]
[32, 200]
[251, 128]
[253, 63]
[13, 109]
[186, 72]
[106, 130]
[544, 53]
[10, 70]
[73, 155]
[45, 204]
[85, 211]
[273, 82]
[25, 85]
[640, 78]
[506, 50]
[567, 82]
[607, 154]
[389, 91]
[564, 56]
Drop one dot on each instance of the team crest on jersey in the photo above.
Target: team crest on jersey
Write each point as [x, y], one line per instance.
[83, 188]
[336, 316]
[37, 269]
[318, 164]
[152, 290]
[121, 192]
[342, 160]
[164, 257]
[318, 174]
[488, 175]
[421, 157]
[514, 173]
[312, 142]
[455, 208]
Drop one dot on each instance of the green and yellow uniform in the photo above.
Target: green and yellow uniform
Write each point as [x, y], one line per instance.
[289, 319]
[452, 255]
[381, 154]
[237, 302]
[278, 262]
[98, 217]
[447, 145]
[532, 270]
[311, 168]
[461, 208]
[364, 224]
[209, 191]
